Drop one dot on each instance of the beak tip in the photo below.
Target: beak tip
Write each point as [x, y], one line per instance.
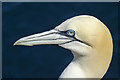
[19, 43]
[15, 44]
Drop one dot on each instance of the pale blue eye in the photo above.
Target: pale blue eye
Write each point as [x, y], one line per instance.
[70, 33]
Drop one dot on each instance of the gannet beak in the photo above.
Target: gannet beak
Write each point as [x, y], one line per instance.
[49, 37]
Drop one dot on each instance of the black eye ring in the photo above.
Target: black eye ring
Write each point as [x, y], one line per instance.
[70, 33]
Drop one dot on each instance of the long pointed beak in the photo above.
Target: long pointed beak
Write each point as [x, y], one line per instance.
[49, 37]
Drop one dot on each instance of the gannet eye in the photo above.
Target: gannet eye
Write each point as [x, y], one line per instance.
[70, 33]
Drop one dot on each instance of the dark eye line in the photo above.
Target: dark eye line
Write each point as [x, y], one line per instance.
[64, 33]
[82, 42]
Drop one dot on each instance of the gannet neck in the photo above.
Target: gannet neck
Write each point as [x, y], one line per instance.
[73, 70]
[86, 67]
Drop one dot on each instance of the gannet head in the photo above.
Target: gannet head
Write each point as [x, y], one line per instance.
[86, 36]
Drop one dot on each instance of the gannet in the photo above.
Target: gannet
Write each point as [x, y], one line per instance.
[87, 38]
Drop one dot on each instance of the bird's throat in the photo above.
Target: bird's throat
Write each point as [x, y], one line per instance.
[73, 70]
[80, 68]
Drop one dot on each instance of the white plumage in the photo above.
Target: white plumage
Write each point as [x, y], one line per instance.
[89, 40]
